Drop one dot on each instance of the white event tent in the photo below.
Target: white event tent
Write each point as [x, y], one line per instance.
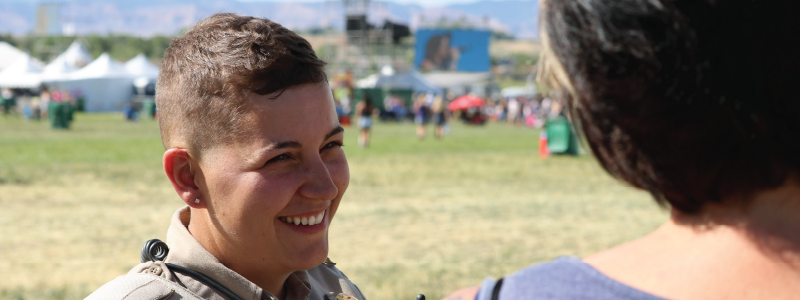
[104, 83]
[76, 55]
[58, 70]
[9, 55]
[23, 73]
[140, 66]
[411, 80]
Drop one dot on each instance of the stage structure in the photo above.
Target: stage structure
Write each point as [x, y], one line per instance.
[369, 47]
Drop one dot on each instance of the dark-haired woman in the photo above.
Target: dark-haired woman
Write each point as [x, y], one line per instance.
[693, 101]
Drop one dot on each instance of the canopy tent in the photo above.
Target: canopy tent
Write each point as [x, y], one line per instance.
[140, 66]
[102, 67]
[59, 69]
[367, 82]
[411, 80]
[460, 83]
[518, 91]
[105, 84]
[9, 55]
[454, 79]
[76, 55]
[24, 73]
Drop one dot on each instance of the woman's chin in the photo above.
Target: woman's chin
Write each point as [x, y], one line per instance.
[311, 258]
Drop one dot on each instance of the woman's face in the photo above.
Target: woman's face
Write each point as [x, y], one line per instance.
[274, 196]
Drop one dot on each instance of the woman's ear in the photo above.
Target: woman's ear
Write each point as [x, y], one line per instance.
[178, 167]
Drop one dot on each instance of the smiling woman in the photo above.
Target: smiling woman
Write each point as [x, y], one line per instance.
[254, 148]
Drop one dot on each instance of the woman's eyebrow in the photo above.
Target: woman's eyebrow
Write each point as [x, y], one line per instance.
[294, 144]
[284, 145]
[335, 131]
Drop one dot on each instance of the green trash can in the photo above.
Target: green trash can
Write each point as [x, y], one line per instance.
[59, 114]
[7, 104]
[80, 104]
[69, 111]
[149, 109]
[52, 111]
[561, 139]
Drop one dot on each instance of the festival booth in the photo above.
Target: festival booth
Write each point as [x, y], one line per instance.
[25, 73]
[105, 84]
[76, 55]
[145, 74]
[388, 79]
[461, 83]
[402, 85]
[140, 66]
[528, 91]
[9, 55]
[58, 70]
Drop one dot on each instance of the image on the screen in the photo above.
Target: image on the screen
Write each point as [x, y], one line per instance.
[452, 50]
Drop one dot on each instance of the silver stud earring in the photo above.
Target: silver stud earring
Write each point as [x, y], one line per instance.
[197, 200]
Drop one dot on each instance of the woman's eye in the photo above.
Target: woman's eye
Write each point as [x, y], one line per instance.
[278, 158]
[332, 145]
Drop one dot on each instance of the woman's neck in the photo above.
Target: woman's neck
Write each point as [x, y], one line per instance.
[770, 221]
[727, 251]
[268, 277]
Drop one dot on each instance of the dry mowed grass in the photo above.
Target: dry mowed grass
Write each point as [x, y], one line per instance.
[419, 217]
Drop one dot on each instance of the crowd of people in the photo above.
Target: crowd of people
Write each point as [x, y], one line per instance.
[429, 109]
[35, 105]
[523, 110]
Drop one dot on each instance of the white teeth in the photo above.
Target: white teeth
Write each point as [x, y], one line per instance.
[310, 221]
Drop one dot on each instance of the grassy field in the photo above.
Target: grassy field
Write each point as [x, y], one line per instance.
[420, 216]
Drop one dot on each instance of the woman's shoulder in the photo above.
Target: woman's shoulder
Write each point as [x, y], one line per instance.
[326, 278]
[566, 278]
[146, 281]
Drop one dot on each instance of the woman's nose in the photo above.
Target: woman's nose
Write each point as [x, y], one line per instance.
[319, 183]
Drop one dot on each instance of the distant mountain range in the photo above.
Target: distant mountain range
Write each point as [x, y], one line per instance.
[518, 18]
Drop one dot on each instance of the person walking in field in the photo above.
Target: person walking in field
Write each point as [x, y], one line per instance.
[364, 111]
[439, 112]
[695, 102]
[421, 112]
[254, 151]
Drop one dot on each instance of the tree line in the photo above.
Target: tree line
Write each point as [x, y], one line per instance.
[120, 47]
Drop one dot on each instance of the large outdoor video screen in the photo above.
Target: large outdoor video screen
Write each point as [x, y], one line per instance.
[452, 50]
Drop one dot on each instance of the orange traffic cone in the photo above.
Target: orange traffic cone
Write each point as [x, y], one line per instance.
[543, 151]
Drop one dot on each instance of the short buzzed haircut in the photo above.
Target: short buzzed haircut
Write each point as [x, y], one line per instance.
[209, 71]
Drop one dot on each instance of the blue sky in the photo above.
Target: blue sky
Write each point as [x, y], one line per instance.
[425, 3]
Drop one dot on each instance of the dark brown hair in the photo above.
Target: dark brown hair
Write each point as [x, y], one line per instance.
[208, 72]
[691, 100]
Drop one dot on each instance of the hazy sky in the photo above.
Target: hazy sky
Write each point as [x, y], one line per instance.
[425, 3]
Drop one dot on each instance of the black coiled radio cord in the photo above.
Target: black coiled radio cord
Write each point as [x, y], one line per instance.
[156, 250]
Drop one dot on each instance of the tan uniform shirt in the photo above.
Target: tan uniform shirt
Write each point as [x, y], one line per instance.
[324, 282]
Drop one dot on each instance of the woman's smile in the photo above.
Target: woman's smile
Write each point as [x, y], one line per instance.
[304, 220]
